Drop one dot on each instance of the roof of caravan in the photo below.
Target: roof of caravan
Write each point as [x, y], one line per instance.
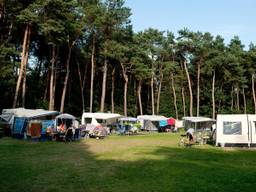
[99, 115]
[198, 119]
[28, 113]
[65, 116]
[128, 119]
[152, 117]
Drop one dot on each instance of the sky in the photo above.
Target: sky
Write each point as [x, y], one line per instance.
[219, 17]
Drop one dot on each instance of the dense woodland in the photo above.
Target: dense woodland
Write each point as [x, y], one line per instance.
[83, 55]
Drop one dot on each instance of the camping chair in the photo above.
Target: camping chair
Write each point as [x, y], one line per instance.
[69, 135]
[121, 130]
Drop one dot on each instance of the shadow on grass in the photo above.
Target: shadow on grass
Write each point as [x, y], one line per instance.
[74, 167]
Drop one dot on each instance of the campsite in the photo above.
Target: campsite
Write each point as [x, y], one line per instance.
[127, 95]
[150, 162]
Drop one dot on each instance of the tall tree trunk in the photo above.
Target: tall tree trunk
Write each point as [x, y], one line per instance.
[183, 101]
[253, 93]
[135, 93]
[23, 58]
[159, 89]
[92, 71]
[152, 94]
[198, 89]
[232, 98]
[25, 68]
[81, 86]
[244, 98]
[213, 95]
[54, 84]
[66, 77]
[174, 96]
[52, 95]
[47, 84]
[24, 88]
[9, 33]
[190, 90]
[237, 100]
[125, 88]
[139, 97]
[221, 103]
[104, 81]
[113, 91]
[38, 70]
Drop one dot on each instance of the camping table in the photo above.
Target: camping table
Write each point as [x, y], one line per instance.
[204, 139]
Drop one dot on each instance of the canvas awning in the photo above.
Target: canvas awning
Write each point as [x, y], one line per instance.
[128, 119]
[35, 113]
[65, 116]
[6, 117]
[152, 117]
[27, 113]
[99, 115]
[198, 119]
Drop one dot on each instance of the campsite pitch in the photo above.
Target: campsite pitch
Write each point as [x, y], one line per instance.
[151, 162]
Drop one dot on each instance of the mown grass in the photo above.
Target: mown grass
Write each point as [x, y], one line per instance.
[151, 162]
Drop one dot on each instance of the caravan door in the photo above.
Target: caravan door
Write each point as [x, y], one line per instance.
[252, 129]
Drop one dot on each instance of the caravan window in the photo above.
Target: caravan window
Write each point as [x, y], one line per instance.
[232, 128]
[100, 121]
[87, 120]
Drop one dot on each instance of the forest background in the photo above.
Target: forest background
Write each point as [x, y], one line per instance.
[75, 56]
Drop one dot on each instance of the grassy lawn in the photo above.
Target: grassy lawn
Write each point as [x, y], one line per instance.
[151, 162]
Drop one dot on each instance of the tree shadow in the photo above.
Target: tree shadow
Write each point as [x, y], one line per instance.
[74, 167]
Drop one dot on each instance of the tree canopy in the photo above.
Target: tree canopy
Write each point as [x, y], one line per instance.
[77, 56]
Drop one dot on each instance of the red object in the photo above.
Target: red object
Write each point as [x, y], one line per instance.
[171, 121]
[35, 130]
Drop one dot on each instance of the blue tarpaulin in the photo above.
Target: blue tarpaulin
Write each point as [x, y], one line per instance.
[45, 124]
[163, 123]
[18, 125]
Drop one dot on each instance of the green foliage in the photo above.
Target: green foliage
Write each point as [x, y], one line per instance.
[143, 54]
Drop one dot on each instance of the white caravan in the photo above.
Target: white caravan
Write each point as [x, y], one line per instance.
[99, 118]
[236, 129]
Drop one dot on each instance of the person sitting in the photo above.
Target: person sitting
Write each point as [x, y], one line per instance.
[49, 133]
[69, 134]
[62, 127]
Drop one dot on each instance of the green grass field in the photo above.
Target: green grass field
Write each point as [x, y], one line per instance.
[151, 162]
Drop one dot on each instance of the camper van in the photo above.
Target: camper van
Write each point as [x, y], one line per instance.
[236, 129]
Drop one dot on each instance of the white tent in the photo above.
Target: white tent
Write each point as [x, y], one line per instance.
[202, 128]
[9, 114]
[99, 118]
[198, 119]
[236, 129]
[68, 118]
[150, 122]
[198, 122]
[18, 117]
